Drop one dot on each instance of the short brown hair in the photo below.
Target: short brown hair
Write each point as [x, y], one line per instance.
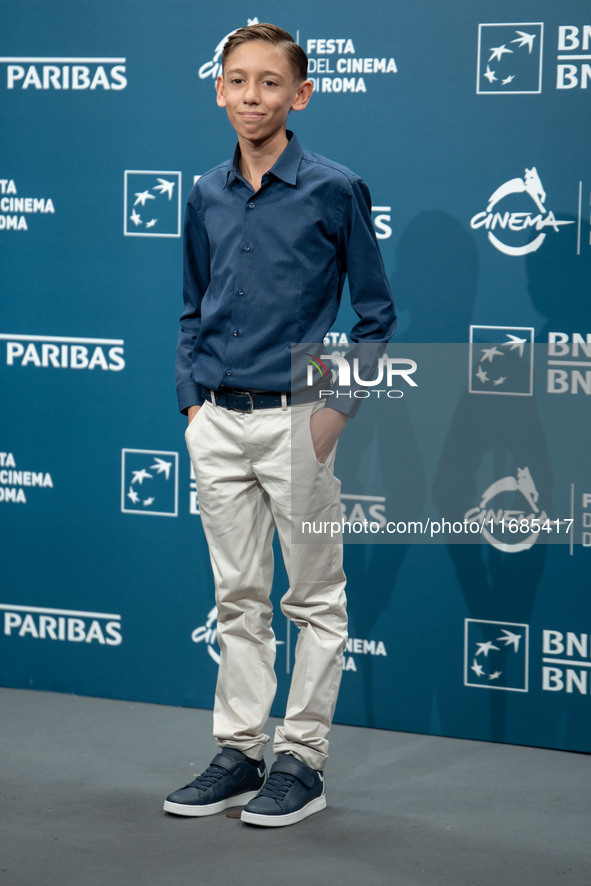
[293, 52]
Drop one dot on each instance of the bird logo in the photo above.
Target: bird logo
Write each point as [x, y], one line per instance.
[149, 482]
[152, 204]
[502, 366]
[495, 655]
[509, 58]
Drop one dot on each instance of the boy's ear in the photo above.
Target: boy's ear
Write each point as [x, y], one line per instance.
[219, 88]
[303, 95]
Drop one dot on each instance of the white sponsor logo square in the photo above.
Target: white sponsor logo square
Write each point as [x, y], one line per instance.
[501, 360]
[151, 204]
[496, 655]
[149, 482]
[510, 58]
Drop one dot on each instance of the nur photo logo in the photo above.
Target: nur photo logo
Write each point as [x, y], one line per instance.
[337, 375]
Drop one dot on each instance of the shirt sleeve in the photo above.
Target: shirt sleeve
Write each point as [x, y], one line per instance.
[196, 277]
[371, 296]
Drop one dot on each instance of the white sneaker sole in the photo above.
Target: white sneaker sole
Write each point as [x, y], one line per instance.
[196, 811]
[279, 821]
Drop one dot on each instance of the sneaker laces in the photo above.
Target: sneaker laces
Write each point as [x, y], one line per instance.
[277, 785]
[208, 777]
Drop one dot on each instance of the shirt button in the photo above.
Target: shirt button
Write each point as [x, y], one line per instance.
[246, 248]
[236, 332]
[240, 292]
[251, 205]
[228, 372]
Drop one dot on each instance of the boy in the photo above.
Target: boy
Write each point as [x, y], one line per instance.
[269, 238]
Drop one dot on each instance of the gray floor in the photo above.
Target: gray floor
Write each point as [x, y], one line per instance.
[84, 779]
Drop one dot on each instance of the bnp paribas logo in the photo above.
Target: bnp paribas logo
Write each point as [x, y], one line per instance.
[501, 360]
[496, 655]
[151, 204]
[510, 58]
[149, 482]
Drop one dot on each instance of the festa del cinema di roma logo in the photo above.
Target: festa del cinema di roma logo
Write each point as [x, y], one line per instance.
[509, 220]
[509, 514]
[14, 480]
[332, 57]
[15, 209]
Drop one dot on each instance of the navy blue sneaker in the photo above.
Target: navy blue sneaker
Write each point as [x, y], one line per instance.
[230, 780]
[292, 792]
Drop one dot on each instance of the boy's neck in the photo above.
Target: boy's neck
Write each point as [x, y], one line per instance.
[256, 158]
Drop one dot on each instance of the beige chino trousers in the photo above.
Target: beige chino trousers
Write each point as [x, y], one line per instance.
[256, 472]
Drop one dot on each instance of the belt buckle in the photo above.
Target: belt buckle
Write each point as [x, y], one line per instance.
[250, 401]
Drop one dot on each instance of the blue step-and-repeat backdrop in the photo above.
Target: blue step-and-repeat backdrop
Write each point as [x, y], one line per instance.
[471, 124]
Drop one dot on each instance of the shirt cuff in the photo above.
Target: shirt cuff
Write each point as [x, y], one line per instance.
[188, 395]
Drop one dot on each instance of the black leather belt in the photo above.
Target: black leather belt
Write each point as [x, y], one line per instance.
[244, 401]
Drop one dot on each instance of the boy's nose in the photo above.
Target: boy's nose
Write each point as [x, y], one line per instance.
[251, 95]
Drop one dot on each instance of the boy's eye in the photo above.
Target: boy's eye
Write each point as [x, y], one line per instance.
[269, 83]
[236, 80]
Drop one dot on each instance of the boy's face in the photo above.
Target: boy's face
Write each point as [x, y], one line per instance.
[258, 89]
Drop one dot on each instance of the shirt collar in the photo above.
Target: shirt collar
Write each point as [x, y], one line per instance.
[285, 167]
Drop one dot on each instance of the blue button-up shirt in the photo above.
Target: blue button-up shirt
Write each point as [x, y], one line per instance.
[265, 269]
